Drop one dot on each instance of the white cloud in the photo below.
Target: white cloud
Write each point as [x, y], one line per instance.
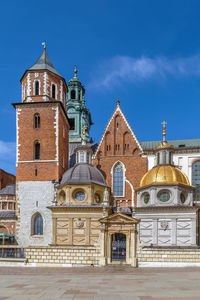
[125, 68]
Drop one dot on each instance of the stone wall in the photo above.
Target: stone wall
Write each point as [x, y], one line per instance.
[65, 256]
[160, 257]
[34, 197]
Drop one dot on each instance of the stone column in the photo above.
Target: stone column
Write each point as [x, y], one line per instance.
[103, 233]
[133, 248]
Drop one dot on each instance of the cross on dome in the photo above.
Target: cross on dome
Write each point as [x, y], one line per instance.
[164, 130]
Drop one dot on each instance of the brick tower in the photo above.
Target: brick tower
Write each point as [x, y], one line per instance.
[42, 149]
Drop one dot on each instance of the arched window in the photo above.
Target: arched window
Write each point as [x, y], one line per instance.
[73, 94]
[37, 87]
[118, 180]
[196, 180]
[38, 224]
[36, 121]
[53, 91]
[37, 150]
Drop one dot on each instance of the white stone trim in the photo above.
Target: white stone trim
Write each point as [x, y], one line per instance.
[29, 87]
[61, 91]
[132, 191]
[56, 126]
[18, 110]
[46, 86]
[118, 109]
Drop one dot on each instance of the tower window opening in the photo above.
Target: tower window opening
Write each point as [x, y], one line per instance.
[118, 147]
[73, 94]
[36, 121]
[53, 91]
[38, 225]
[37, 150]
[72, 123]
[117, 125]
[37, 86]
[36, 172]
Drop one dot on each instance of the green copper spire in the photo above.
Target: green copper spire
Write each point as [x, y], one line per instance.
[79, 116]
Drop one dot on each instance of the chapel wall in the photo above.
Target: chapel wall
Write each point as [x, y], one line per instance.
[63, 256]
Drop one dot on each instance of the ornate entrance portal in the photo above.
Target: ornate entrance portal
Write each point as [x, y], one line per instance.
[118, 240]
[118, 247]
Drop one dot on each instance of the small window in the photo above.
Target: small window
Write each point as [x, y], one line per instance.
[82, 158]
[80, 196]
[38, 225]
[72, 123]
[73, 94]
[37, 86]
[146, 197]
[53, 91]
[36, 121]
[37, 150]
[164, 196]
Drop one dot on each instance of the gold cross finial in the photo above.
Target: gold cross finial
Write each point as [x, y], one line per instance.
[44, 44]
[118, 102]
[164, 130]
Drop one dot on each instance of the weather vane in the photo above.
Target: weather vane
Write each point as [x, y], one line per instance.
[118, 102]
[44, 44]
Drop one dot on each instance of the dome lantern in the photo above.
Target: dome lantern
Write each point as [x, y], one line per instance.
[163, 152]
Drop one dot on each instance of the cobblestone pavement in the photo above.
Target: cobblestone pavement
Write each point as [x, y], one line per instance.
[112, 282]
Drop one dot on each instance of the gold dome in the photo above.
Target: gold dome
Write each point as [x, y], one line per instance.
[164, 174]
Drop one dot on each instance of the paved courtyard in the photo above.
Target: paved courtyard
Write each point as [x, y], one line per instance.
[112, 282]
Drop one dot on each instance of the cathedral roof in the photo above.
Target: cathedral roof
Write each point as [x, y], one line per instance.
[178, 144]
[44, 63]
[8, 190]
[83, 173]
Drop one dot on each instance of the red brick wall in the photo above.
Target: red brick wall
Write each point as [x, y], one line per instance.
[35, 169]
[6, 178]
[119, 144]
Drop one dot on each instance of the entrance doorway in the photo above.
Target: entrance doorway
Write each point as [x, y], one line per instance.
[118, 247]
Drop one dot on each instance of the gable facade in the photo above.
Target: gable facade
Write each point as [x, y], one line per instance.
[119, 149]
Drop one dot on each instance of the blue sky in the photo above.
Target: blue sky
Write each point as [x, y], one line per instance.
[146, 53]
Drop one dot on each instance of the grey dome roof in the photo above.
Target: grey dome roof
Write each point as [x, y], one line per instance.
[83, 173]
